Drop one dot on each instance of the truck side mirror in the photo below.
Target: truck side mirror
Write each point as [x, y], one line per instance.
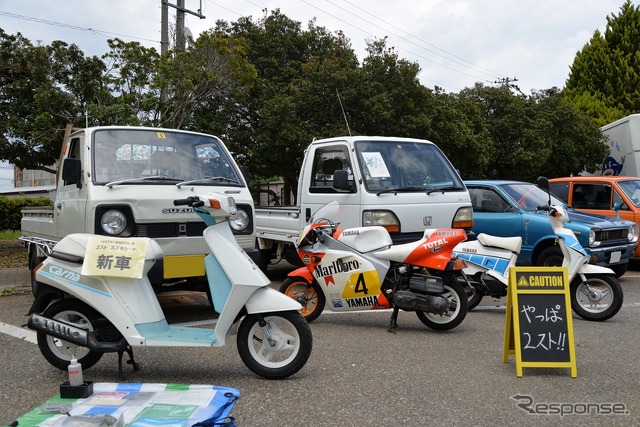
[341, 180]
[71, 172]
[244, 170]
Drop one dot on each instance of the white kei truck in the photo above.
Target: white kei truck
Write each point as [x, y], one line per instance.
[120, 181]
[405, 185]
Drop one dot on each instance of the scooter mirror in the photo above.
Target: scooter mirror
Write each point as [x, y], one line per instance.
[543, 183]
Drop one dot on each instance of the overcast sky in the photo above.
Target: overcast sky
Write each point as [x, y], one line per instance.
[456, 42]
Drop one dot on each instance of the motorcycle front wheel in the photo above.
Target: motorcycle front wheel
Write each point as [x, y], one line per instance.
[281, 350]
[598, 298]
[59, 352]
[458, 307]
[307, 294]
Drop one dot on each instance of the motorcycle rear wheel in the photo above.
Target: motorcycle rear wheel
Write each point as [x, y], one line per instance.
[286, 355]
[598, 298]
[308, 294]
[59, 352]
[475, 297]
[458, 307]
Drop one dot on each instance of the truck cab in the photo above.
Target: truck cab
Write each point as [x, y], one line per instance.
[121, 181]
[402, 184]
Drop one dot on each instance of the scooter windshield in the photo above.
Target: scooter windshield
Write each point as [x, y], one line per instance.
[329, 211]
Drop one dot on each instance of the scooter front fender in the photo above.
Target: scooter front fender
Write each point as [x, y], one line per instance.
[266, 300]
[588, 269]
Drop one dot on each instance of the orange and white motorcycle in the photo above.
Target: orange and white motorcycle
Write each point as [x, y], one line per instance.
[360, 269]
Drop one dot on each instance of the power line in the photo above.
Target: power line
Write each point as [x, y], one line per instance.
[72, 27]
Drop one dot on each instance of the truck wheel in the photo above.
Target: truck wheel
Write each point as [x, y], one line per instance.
[264, 259]
[59, 352]
[550, 257]
[34, 261]
[619, 269]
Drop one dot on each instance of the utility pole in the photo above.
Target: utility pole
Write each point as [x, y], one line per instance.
[164, 26]
[510, 83]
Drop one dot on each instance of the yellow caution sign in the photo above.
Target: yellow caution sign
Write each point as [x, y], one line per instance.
[538, 324]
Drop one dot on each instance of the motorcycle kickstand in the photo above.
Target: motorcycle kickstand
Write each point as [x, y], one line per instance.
[131, 361]
[393, 322]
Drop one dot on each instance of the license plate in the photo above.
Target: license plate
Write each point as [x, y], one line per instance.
[615, 257]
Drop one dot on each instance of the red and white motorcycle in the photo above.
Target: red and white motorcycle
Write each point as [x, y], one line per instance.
[360, 269]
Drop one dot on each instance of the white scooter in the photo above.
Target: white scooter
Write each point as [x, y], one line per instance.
[81, 316]
[595, 292]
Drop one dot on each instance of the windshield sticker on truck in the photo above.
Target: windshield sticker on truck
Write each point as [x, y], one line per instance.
[109, 256]
[376, 165]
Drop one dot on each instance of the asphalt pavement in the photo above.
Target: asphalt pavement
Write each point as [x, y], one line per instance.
[359, 374]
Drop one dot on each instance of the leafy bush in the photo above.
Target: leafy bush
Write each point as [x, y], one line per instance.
[10, 209]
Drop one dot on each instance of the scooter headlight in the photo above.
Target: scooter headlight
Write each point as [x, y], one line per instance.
[240, 221]
[633, 233]
[113, 222]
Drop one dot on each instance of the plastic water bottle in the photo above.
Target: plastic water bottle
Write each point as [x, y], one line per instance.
[75, 373]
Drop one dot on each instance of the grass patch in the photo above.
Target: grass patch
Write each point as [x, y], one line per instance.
[10, 234]
[13, 252]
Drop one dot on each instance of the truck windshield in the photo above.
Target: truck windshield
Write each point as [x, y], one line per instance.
[407, 166]
[131, 154]
[632, 189]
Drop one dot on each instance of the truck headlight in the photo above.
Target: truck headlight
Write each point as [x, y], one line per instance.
[113, 222]
[463, 218]
[240, 221]
[386, 219]
[592, 238]
[633, 233]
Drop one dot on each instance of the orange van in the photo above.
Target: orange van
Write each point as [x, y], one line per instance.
[598, 194]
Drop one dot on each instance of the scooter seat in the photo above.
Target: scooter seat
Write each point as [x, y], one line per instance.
[75, 246]
[514, 244]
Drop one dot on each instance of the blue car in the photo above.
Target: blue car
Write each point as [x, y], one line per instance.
[508, 208]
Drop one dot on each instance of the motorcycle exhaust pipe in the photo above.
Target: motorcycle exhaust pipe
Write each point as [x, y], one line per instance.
[59, 329]
[74, 335]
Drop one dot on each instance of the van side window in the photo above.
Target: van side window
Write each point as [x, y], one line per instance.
[325, 162]
[591, 196]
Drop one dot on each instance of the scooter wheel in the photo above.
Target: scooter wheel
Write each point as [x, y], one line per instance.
[283, 352]
[308, 294]
[458, 307]
[598, 298]
[59, 352]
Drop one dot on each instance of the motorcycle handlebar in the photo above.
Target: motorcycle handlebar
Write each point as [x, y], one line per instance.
[190, 201]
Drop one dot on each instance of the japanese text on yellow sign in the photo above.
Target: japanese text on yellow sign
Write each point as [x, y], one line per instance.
[110, 256]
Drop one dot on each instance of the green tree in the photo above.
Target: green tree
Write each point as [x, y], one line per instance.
[293, 99]
[535, 135]
[42, 88]
[604, 80]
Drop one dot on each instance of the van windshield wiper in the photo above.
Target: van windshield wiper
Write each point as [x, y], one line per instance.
[444, 189]
[426, 188]
[406, 189]
[207, 179]
[145, 178]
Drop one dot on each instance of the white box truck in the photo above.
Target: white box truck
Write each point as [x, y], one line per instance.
[623, 140]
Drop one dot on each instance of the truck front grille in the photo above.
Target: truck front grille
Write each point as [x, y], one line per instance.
[170, 229]
[618, 234]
